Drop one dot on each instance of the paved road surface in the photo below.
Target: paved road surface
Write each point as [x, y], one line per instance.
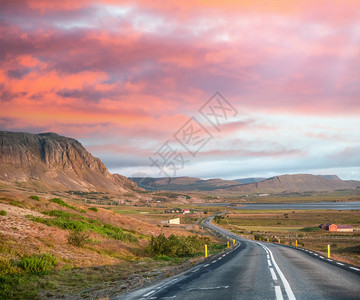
[259, 270]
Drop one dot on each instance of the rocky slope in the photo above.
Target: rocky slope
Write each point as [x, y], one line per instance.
[51, 161]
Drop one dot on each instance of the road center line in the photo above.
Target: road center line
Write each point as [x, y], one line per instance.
[273, 275]
[149, 293]
[286, 284]
[278, 293]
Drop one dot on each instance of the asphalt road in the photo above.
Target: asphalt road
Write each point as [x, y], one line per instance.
[259, 270]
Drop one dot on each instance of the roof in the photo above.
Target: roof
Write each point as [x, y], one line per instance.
[344, 226]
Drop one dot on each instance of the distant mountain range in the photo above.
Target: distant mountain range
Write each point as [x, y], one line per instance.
[277, 184]
[53, 162]
[48, 161]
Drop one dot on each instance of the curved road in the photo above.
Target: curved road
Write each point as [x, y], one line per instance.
[258, 270]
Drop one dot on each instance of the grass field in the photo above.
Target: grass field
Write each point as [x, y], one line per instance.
[302, 226]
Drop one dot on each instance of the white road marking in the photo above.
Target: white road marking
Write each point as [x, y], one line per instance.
[321, 257]
[356, 269]
[209, 288]
[195, 270]
[206, 265]
[269, 263]
[316, 254]
[340, 264]
[278, 293]
[273, 275]
[149, 293]
[214, 262]
[329, 259]
[286, 284]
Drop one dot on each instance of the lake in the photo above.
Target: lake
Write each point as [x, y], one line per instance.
[317, 205]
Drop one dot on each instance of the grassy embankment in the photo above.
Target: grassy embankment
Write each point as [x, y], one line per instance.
[57, 248]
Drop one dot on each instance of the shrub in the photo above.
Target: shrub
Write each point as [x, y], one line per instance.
[218, 219]
[62, 203]
[77, 238]
[176, 246]
[35, 198]
[38, 263]
[259, 237]
[3, 213]
[93, 209]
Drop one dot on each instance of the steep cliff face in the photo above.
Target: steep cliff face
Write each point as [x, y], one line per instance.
[55, 161]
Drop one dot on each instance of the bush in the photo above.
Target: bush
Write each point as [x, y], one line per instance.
[35, 198]
[218, 219]
[38, 263]
[176, 246]
[259, 237]
[77, 238]
[3, 213]
[93, 209]
[62, 203]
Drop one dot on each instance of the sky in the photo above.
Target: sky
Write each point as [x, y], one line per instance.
[209, 89]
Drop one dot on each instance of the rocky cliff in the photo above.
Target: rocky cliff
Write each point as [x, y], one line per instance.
[52, 161]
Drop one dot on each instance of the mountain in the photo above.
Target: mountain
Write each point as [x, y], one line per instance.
[250, 180]
[51, 161]
[277, 184]
[295, 183]
[182, 183]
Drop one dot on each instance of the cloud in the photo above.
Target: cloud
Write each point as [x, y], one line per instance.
[140, 69]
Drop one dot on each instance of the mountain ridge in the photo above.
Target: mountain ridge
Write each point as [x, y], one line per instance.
[275, 184]
[52, 161]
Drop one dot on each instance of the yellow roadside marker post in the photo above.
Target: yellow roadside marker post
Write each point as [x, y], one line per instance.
[233, 242]
[267, 239]
[328, 251]
[205, 250]
[228, 244]
[296, 243]
[279, 241]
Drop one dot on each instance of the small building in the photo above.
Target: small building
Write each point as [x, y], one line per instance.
[331, 227]
[174, 221]
[345, 228]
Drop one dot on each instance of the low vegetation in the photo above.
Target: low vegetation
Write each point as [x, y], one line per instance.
[38, 263]
[177, 246]
[62, 203]
[69, 221]
[3, 213]
[35, 198]
[77, 238]
[93, 209]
